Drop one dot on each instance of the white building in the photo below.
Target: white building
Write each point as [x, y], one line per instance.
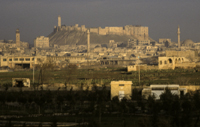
[156, 90]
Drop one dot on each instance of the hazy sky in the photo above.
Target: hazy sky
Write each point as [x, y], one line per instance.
[38, 17]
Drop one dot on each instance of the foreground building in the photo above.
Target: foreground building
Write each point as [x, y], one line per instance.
[31, 61]
[20, 82]
[121, 89]
[20, 61]
[156, 90]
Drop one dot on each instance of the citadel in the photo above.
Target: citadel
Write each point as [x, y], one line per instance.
[139, 32]
[128, 46]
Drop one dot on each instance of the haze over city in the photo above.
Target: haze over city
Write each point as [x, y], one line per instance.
[35, 18]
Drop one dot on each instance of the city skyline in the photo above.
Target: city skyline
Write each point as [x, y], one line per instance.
[37, 18]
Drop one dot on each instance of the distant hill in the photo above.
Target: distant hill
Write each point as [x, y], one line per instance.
[65, 37]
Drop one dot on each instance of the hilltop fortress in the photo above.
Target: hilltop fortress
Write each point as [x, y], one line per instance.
[136, 32]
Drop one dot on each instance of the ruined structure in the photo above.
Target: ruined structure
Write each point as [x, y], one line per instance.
[41, 42]
[20, 82]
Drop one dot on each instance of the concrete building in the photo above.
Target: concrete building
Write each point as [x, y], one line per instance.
[121, 89]
[41, 42]
[157, 89]
[20, 61]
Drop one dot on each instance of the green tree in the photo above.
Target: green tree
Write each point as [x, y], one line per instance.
[70, 74]
[43, 66]
[171, 104]
[196, 101]
[187, 107]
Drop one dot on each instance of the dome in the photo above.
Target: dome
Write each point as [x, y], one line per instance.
[188, 42]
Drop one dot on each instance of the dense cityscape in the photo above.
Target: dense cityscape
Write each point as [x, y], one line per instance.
[82, 76]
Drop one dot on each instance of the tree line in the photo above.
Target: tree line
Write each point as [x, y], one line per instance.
[170, 110]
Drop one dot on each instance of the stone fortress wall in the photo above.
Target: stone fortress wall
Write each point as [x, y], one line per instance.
[141, 32]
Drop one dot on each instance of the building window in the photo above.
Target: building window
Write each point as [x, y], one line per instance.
[165, 62]
[4, 59]
[27, 59]
[16, 59]
[32, 59]
[170, 60]
[10, 59]
[21, 59]
[121, 84]
[160, 62]
[38, 59]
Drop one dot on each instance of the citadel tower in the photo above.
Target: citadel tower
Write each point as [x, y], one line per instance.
[88, 41]
[178, 32]
[59, 21]
[17, 38]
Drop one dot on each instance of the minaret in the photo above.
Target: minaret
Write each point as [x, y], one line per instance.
[59, 21]
[178, 32]
[17, 38]
[88, 41]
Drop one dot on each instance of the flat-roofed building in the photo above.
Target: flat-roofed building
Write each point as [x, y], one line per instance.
[41, 42]
[121, 89]
[22, 61]
[156, 90]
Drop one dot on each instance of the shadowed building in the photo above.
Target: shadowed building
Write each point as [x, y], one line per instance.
[20, 82]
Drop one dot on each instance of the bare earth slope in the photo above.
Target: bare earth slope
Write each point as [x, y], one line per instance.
[65, 37]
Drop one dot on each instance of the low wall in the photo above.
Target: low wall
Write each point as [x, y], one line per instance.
[142, 67]
[191, 87]
[186, 65]
[5, 71]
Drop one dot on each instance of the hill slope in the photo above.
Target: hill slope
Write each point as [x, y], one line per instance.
[65, 37]
[77, 37]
